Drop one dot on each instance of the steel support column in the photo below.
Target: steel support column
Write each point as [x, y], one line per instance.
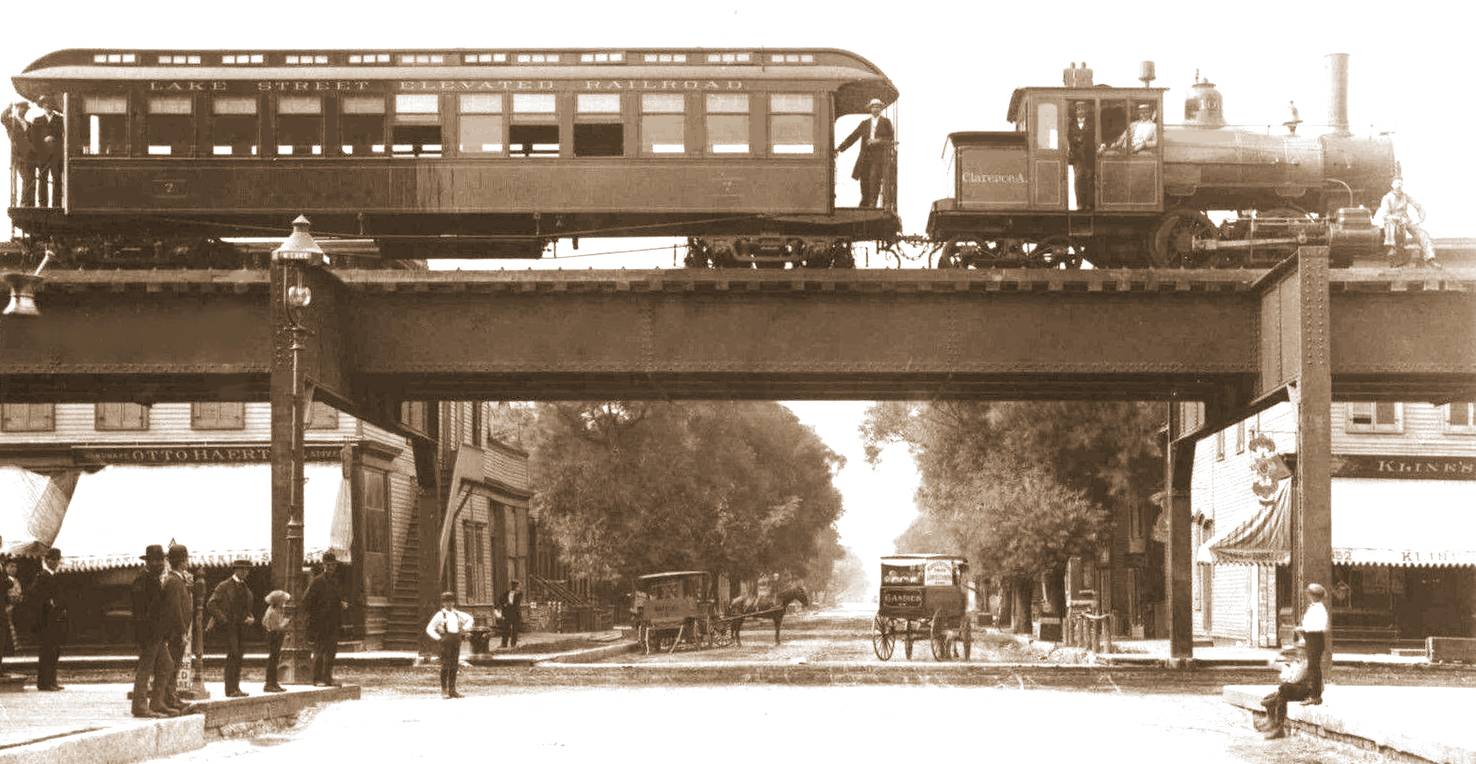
[1312, 521]
[1178, 471]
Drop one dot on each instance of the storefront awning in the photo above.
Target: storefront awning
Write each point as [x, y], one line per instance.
[1404, 522]
[32, 506]
[221, 512]
[1262, 539]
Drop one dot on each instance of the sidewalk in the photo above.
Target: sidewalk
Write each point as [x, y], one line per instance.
[1156, 652]
[1431, 723]
[94, 723]
[532, 647]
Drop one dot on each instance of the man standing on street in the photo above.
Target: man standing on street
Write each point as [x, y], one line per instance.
[230, 606]
[512, 615]
[324, 604]
[448, 627]
[148, 631]
[179, 614]
[1314, 631]
[51, 620]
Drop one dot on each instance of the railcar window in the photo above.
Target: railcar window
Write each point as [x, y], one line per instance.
[1047, 127]
[107, 126]
[1114, 124]
[727, 123]
[169, 129]
[299, 125]
[535, 128]
[481, 124]
[663, 123]
[598, 131]
[361, 126]
[792, 123]
[417, 128]
[234, 127]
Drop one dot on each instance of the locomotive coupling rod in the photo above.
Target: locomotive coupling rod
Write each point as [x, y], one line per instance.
[1211, 245]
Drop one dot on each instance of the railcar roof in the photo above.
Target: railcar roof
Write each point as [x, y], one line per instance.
[1096, 91]
[859, 79]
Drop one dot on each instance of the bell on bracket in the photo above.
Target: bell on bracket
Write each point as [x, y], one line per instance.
[22, 294]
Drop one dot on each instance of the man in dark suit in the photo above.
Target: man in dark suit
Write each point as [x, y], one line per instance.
[51, 620]
[178, 615]
[230, 606]
[47, 134]
[876, 137]
[23, 192]
[324, 604]
[511, 605]
[1081, 139]
[148, 631]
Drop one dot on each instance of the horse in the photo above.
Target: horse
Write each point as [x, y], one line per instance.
[772, 607]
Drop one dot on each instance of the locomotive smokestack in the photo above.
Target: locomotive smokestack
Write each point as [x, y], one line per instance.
[1337, 96]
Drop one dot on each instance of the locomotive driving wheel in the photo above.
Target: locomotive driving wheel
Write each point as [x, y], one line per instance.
[885, 638]
[1056, 252]
[1172, 242]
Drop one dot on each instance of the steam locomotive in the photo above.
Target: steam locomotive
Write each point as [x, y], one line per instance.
[1092, 173]
[169, 156]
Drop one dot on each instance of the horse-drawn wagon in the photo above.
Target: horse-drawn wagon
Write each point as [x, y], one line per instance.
[924, 594]
[678, 607]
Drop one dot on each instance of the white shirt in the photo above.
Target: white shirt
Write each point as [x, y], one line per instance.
[1315, 619]
[448, 621]
[874, 119]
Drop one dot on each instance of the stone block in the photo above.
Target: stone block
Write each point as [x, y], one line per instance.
[1450, 649]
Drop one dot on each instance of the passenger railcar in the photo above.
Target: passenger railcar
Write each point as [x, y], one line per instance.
[464, 153]
[1073, 182]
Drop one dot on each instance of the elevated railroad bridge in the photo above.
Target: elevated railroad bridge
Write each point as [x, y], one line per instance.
[1221, 343]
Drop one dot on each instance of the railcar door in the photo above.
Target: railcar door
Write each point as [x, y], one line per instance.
[1129, 164]
[1047, 153]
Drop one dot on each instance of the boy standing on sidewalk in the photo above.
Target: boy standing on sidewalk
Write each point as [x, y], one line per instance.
[448, 627]
[275, 621]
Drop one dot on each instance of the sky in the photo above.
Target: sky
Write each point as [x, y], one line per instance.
[955, 65]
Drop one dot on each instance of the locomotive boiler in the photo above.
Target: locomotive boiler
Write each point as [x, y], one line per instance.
[1092, 173]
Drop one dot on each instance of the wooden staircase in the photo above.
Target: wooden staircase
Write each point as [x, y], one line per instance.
[404, 629]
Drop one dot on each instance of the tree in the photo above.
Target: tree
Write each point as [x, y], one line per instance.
[634, 488]
[1023, 486]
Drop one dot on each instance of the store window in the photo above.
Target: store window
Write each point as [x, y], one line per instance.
[474, 560]
[1460, 417]
[792, 123]
[28, 417]
[106, 126]
[300, 126]
[121, 416]
[169, 126]
[1375, 417]
[481, 124]
[217, 416]
[727, 123]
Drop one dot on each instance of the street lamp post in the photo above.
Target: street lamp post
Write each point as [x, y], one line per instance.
[290, 297]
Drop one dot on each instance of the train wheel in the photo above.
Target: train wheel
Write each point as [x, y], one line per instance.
[938, 638]
[951, 255]
[1172, 243]
[885, 638]
[1056, 252]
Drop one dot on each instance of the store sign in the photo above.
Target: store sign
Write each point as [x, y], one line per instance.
[1341, 556]
[939, 573]
[1406, 467]
[196, 454]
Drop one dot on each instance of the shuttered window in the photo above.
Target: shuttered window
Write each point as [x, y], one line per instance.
[218, 416]
[121, 416]
[28, 417]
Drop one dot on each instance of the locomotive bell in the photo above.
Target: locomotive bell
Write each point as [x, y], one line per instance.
[1204, 107]
[22, 294]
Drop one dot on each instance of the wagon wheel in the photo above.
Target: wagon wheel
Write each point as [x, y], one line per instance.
[907, 646]
[643, 633]
[1172, 242]
[938, 637]
[885, 638]
[677, 640]
[722, 633]
[967, 635]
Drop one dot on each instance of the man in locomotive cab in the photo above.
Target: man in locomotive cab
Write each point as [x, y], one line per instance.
[1081, 139]
[876, 136]
[1139, 136]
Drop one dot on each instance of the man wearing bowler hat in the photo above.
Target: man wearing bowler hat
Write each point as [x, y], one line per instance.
[230, 606]
[51, 620]
[324, 603]
[178, 616]
[148, 632]
[876, 137]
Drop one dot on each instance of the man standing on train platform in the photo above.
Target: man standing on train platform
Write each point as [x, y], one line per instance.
[47, 134]
[324, 604]
[877, 137]
[1081, 142]
[51, 620]
[1394, 217]
[179, 613]
[1314, 632]
[230, 606]
[151, 675]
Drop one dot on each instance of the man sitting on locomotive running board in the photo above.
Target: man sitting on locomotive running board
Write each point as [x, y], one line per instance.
[1141, 135]
[1394, 214]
